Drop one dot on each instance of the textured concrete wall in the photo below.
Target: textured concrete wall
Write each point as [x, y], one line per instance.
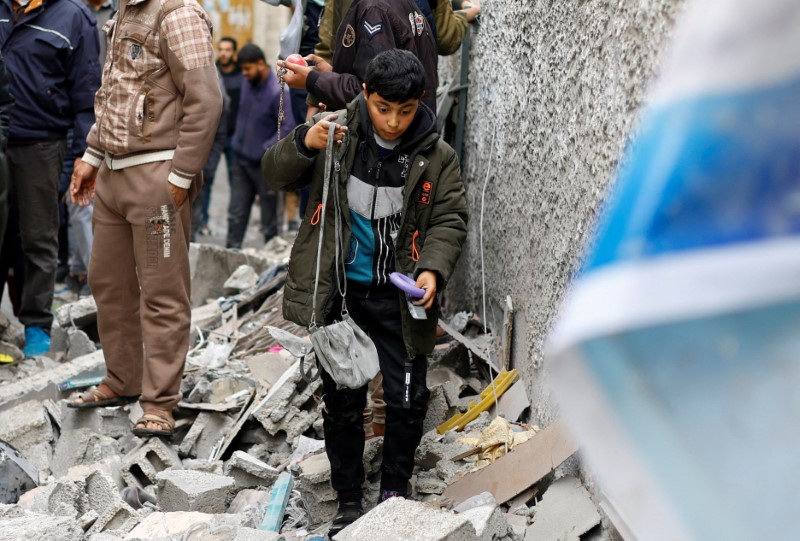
[555, 87]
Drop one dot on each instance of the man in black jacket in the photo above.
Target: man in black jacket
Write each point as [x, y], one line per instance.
[368, 28]
[51, 52]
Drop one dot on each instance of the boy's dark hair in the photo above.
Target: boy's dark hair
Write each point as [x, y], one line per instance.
[251, 54]
[230, 40]
[397, 75]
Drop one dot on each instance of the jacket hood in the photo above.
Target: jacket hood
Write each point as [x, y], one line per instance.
[423, 125]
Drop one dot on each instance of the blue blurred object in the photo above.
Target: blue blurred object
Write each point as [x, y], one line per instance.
[676, 358]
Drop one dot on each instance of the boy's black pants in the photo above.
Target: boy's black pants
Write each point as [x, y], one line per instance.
[378, 314]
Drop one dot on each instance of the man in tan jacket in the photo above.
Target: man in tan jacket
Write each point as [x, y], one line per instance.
[156, 115]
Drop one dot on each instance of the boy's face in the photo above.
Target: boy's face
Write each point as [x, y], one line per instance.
[390, 119]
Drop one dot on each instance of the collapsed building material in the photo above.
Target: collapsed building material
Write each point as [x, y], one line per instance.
[79, 344]
[486, 517]
[78, 314]
[249, 498]
[211, 265]
[483, 353]
[192, 525]
[247, 471]
[142, 465]
[493, 391]
[119, 517]
[513, 403]
[12, 353]
[267, 368]
[187, 490]
[44, 384]
[242, 279]
[506, 335]
[25, 425]
[398, 519]
[565, 513]
[510, 474]
[81, 446]
[112, 422]
[205, 434]
[17, 475]
[31, 526]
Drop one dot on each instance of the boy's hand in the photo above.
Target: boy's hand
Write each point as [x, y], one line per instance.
[427, 281]
[317, 135]
[81, 186]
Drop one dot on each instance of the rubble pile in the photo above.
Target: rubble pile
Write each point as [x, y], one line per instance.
[248, 452]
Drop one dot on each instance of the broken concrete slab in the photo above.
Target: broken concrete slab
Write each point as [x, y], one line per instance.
[247, 471]
[439, 409]
[517, 523]
[247, 498]
[142, 465]
[79, 344]
[514, 472]
[187, 490]
[208, 466]
[12, 331]
[119, 517]
[485, 516]
[267, 368]
[33, 526]
[25, 425]
[80, 313]
[564, 514]
[210, 266]
[399, 519]
[44, 384]
[242, 279]
[17, 475]
[81, 446]
[176, 525]
[205, 434]
[112, 422]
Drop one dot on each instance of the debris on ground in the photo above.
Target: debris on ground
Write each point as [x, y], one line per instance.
[247, 460]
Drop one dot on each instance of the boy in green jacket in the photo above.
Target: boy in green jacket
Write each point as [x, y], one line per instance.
[403, 209]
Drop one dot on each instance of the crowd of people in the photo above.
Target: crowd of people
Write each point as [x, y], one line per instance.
[135, 155]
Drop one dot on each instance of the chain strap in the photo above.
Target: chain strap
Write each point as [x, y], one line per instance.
[282, 84]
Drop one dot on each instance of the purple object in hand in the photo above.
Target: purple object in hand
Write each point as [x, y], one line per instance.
[407, 285]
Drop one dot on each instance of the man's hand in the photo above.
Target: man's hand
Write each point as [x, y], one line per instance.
[81, 186]
[178, 194]
[471, 9]
[319, 64]
[317, 135]
[295, 75]
[427, 281]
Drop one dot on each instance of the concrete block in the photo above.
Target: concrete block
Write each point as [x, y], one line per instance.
[79, 344]
[88, 519]
[565, 513]
[25, 425]
[485, 516]
[80, 313]
[242, 279]
[13, 332]
[17, 474]
[247, 471]
[31, 526]
[119, 517]
[81, 446]
[429, 483]
[43, 384]
[517, 523]
[102, 492]
[186, 490]
[65, 497]
[400, 519]
[206, 431]
[59, 339]
[439, 409]
[210, 266]
[141, 466]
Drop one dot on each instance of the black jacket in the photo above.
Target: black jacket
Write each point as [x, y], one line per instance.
[370, 27]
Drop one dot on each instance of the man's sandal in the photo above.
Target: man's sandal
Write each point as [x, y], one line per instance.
[99, 397]
[163, 418]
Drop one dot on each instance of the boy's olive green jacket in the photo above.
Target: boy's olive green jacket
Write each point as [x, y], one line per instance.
[432, 230]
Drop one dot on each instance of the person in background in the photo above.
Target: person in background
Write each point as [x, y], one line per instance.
[256, 131]
[228, 66]
[51, 51]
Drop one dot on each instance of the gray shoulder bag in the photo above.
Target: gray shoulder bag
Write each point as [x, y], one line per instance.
[345, 352]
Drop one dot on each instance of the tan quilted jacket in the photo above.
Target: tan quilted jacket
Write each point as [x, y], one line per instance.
[160, 87]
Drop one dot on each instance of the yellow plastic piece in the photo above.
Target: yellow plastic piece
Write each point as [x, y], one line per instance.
[6, 359]
[502, 382]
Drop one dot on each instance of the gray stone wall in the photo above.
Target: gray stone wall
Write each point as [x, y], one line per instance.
[555, 88]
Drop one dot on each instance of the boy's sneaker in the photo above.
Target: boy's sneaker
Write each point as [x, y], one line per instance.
[347, 514]
[37, 341]
[389, 494]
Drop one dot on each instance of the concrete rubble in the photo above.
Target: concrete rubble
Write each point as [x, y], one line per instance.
[249, 412]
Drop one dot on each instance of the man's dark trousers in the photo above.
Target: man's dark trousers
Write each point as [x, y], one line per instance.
[379, 316]
[34, 169]
[246, 183]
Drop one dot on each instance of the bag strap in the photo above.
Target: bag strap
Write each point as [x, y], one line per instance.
[325, 187]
